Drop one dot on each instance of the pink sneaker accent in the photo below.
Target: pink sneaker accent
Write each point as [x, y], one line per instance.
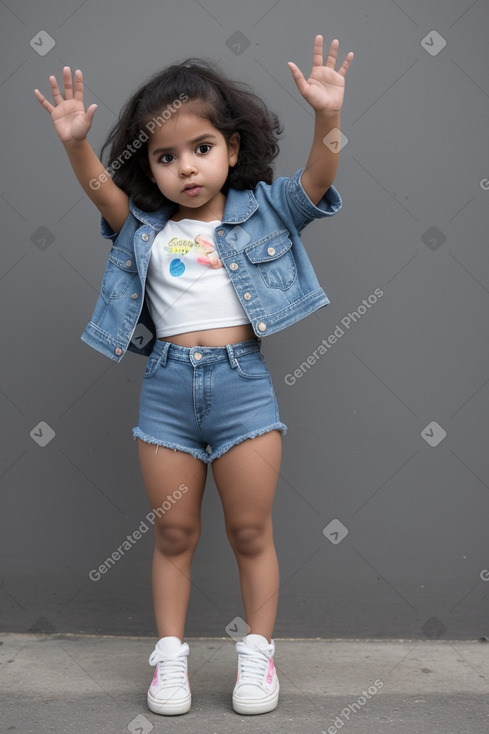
[271, 668]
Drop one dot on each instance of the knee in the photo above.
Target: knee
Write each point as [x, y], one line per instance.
[249, 540]
[176, 539]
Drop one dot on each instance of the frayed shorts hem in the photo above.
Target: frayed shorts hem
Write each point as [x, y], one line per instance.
[197, 453]
[204, 456]
[252, 434]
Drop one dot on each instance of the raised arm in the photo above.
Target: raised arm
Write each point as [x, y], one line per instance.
[72, 124]
[324, 91]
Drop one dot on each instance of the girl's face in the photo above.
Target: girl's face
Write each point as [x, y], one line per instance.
[189, 161]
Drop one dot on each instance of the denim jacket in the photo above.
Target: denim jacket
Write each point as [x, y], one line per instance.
[258, 243]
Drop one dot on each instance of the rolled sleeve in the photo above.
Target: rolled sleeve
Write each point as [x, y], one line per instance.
[326, 207]
[107, 231]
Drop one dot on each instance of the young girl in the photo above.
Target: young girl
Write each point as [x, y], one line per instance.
[206, 259]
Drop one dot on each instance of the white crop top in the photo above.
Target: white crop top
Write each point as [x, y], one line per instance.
[187, 287]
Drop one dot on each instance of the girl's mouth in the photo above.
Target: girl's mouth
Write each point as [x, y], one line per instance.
[192, 190]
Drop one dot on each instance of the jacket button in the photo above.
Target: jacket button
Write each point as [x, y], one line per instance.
[271, 250]
[128, 263]
[247, 296]
[233, 266]
[262, 326]
[134, 296]
[220, 232]
[118, 351]
[145, 237]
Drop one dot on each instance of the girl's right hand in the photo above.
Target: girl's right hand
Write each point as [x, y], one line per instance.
[68, 114]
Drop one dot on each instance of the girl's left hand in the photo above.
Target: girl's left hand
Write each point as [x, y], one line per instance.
[325, 88]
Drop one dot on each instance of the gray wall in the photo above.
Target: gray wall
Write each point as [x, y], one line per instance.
[360, 454]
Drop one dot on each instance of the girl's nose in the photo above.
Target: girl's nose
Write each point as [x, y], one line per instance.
[187, 166]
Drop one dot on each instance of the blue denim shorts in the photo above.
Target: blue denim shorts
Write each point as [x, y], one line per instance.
[204, 400]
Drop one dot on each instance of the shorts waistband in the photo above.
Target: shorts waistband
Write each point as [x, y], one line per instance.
[204, 355]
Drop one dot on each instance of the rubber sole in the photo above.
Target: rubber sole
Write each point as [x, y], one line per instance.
[169, 708]
[262, 706]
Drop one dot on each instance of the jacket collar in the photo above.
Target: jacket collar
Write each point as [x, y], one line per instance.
[240, 205]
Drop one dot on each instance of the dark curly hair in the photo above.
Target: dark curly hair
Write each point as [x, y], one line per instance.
[229, 105]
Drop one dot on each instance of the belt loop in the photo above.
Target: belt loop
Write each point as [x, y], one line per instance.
[164, 352]
[231, 357]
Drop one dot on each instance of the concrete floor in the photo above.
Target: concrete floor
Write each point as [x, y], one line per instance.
[91, 685]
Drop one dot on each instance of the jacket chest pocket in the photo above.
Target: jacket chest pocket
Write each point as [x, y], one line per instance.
[275, 262]
[119, 274]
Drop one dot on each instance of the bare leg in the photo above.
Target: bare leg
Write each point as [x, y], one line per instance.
[246, 478]
[177, 530]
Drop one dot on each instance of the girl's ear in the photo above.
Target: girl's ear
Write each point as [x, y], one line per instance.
[233, 149]
[146, 168]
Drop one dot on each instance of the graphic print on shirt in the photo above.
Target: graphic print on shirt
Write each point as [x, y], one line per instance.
[205, 251]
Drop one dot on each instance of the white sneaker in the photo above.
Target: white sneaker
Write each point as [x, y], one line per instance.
[169, 692]
[256, 690]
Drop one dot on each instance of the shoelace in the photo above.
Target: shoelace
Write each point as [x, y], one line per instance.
[252, 665]
[170, 670]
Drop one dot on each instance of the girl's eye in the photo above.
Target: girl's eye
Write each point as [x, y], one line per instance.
[204, 148]
[166, 158]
